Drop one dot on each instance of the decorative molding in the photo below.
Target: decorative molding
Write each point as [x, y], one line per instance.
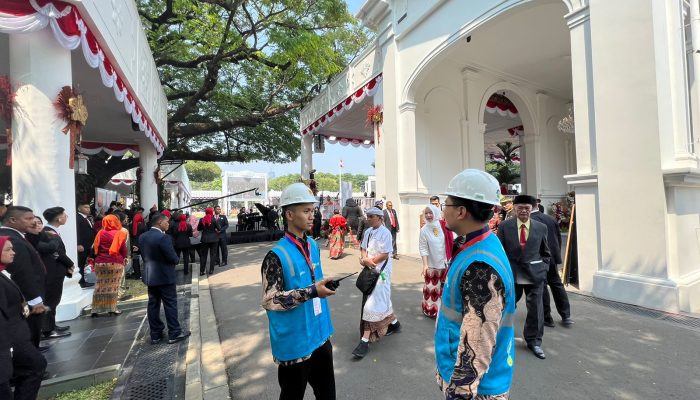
[582, 179]
[682, 177]
[407, 106]
[578, 17]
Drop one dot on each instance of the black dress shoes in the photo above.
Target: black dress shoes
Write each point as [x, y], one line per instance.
[537, 351]
[567, 322]
[180, 337]
[44, 349]
[59, 328]
[54, 335]
[549, 322]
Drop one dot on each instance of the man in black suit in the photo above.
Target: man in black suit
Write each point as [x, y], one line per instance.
[58, 267]
[86, 236]
[525, 243]
[391, 221]
[561, 300]
[27, 270]
[221, 259]
[159, 261]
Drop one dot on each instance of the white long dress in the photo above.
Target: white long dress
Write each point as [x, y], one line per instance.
[378, 305]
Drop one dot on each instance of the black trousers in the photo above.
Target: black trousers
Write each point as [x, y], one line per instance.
[184, 254]
[82, 260]
[167, 294]
[54, 291]
[534, 322]
[207, 250]
[317, 371]
[561, 299]
[27, 363]
[393, 239]
[222, 250]
[35, 322]
[136, 265]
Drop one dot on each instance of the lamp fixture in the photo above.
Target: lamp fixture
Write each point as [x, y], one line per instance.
[566, 124]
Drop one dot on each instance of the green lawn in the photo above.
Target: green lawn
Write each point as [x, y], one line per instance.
[100, 391]
[135, 289]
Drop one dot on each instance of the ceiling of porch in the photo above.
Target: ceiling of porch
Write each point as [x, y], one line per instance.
[108, 121]
[528, 45]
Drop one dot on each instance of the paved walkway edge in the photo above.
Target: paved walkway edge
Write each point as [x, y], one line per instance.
[206, 371]
[52, 387]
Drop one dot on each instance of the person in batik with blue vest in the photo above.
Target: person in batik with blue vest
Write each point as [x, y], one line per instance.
[294, 296]
[474, 334]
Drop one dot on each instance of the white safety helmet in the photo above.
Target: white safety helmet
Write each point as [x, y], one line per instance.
[297, 193]
[476, 185]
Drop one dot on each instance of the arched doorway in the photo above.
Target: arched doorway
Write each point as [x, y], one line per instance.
[503, 142]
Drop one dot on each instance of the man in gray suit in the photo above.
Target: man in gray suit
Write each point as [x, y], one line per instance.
[525, 243]
[561, 299]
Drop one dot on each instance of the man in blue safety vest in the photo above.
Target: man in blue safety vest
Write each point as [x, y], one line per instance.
[474, 333]
[294, 295]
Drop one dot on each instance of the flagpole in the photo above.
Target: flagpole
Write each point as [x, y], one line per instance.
[340, 180]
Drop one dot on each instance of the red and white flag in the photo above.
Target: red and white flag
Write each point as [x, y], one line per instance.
[341, 164]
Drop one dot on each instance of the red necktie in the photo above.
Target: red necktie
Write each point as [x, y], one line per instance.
[522, 236]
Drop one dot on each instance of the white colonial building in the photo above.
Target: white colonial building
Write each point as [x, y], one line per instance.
[456, 77]
[99, 49]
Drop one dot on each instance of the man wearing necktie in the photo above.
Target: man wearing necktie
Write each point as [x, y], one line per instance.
[391, 221]
[86, 236]
[525, 243]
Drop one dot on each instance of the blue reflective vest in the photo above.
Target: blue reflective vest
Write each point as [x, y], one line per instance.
[298, 332]
[499, 375]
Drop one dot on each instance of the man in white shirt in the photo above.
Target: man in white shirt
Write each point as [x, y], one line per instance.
[378, 317]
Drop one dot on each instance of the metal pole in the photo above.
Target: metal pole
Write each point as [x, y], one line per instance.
[217, 198]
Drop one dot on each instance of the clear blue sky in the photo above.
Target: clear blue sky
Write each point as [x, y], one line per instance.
[356, 160]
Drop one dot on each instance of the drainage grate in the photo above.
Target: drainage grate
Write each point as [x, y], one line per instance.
[157, 390]
[680, 319]
[156, 372]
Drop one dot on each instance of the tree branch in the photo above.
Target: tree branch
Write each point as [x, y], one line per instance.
[181, 95]
[250, 121]
[207, 154]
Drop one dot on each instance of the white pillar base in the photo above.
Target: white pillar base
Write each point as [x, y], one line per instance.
[643, 291]
[74, 299]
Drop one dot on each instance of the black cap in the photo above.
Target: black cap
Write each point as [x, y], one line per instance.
[524, 199]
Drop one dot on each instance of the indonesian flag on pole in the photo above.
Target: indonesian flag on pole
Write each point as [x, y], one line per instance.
[341, 164]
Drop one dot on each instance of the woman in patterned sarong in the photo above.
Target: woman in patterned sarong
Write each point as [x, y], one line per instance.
[431, 246]
[111, 252]
[337, 239]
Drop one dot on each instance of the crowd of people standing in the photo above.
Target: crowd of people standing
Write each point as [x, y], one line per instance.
[480, 252]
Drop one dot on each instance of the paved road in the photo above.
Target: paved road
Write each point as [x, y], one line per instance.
[611, 353]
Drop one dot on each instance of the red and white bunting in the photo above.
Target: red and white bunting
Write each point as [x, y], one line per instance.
[502, 109]
[113, 149]
[516, 131]
[70, 31]
[353, 142]
[369, 89]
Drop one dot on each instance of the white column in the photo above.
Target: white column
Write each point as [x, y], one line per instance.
[306, 155]
[585, 181]
[407, 178]
[41, 177]
[582, 84]
[148, 160]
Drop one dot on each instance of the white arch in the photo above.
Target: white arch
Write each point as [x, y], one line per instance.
[408, 92]
[520, 100]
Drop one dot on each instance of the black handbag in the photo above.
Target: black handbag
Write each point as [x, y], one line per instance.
[368, 278]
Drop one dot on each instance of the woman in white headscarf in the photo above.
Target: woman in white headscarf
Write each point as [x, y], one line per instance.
[431, 246]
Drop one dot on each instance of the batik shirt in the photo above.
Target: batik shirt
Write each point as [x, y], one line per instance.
[481, 288]
[275, 298]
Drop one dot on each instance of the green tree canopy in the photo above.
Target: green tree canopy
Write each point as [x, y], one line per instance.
[204, 175]
[325, 182]
[236, 72]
